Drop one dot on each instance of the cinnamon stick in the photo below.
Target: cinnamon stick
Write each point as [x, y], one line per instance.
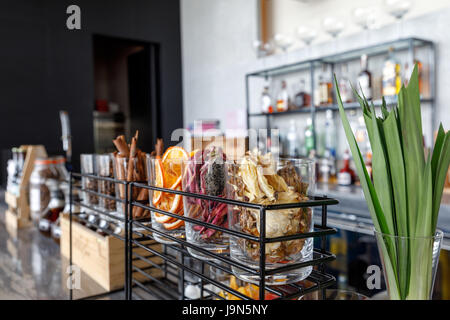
[131, 159]
[122, 146]
[159, 147]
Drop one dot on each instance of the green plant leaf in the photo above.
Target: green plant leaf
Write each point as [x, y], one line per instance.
[441, 173]
[397, 170]
[424, 216]
[412, 143]
[380, 170]
[366, 184]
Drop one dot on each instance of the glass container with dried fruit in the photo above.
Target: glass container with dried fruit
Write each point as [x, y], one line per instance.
[204, 173]
[261, 179]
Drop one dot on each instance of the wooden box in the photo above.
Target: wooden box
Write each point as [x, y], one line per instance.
[102, 258]
[18, 214]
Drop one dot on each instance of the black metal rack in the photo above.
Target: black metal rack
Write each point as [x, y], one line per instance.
[176, 274]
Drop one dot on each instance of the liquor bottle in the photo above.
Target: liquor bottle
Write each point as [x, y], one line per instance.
[302, 98]
[361, 135]
[293, 140]
[391, 75]
[266, 101]
[346, 175]
[365, 78]
[283, 98]
[344, 85]
[407, 74]
[330, 133]
[368, 163]
[309, 137]
[325, 87]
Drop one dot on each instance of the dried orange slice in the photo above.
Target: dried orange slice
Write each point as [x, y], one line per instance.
[159, 181]
[162, 218]
[174, 225]
[172, 160]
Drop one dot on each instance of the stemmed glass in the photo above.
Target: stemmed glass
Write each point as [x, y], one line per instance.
[306, 35]
[366, 19]
[333, 27]
[398, 9]
[283, 41]
[262, 49]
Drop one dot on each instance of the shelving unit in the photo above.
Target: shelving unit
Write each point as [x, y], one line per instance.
[408, 44]
[160, 271]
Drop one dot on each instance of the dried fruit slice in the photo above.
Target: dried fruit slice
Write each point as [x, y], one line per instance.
[172, 161]
[174, 225]
[159, 181]
[162, 218]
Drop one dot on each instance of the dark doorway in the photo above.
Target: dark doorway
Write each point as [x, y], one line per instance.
[126, 74]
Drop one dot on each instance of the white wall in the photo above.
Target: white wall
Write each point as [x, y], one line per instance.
[217, 53]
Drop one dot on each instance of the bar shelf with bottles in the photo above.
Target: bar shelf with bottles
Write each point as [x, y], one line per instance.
[320, 91]
[303, 93]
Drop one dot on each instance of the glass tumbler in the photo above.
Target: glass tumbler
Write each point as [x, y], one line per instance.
[105, 169]
[139, 174]
[165, 201]
[276, 181]
[88, 166]
[205, 175]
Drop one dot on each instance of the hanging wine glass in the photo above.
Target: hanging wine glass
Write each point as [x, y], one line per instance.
[398, 9]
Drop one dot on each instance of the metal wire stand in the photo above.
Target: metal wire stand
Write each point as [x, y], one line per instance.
[143, 256]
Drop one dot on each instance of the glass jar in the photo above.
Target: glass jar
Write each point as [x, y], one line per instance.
[204, 174]
[165, 201]
[55, 206]
[140, 173]
[105, 169]
[267, 181]
[88, 166]
[39, 192]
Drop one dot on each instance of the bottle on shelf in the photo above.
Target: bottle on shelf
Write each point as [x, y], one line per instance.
[345, 88]
[292, 140]
[346, 176]
[283, 98]
[325, 87]
[325, 168]
[391, 75]
[302, 98]
[361, 135]
[266, 101]
[407, 74]
[309, 137]
[365, 79]
[330, 133]
[368, 163]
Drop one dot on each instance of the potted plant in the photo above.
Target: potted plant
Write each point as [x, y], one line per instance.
[405, 194]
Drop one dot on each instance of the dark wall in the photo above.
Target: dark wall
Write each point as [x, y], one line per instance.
[44, 67]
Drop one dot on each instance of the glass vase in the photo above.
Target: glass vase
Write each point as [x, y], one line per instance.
[409, 264]
[293, 180]
[206, 177]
